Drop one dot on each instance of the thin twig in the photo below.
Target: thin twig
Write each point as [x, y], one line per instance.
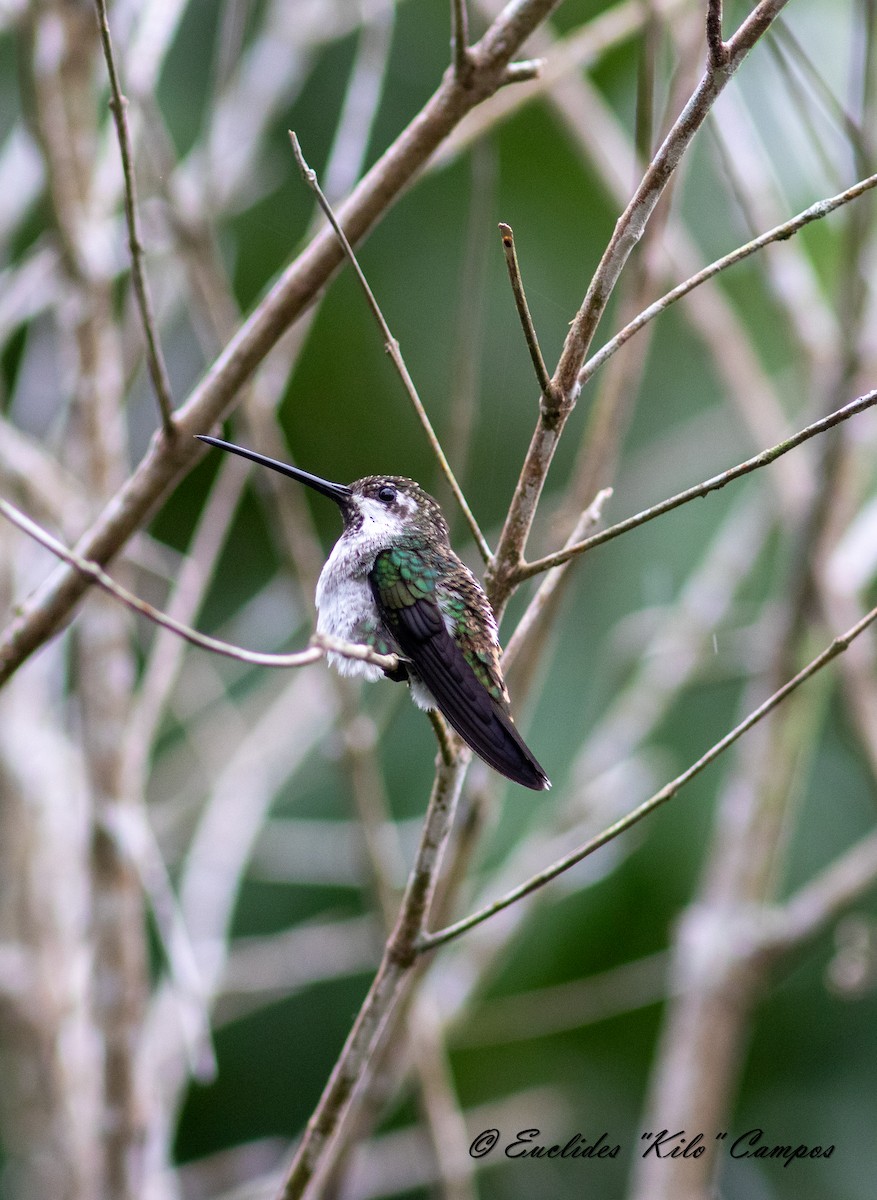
[460, 40]
[527, 570]
[310, 177]
[778, 234]
[547, 588]
[154, 358]
[718, 51]
[321, 644]
[440, 937]
[511, 258]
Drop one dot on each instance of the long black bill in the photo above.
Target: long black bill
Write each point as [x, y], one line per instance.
[338, 492]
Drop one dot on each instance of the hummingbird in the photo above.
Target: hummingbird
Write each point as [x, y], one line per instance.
[393, 582]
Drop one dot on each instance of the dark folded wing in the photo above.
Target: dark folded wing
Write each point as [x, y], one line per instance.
[405, 597]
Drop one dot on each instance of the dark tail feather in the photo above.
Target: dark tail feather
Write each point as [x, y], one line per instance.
[460, 697]
[503, 748]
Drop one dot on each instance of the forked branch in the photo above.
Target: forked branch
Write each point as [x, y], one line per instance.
[628, 230]
[764, 459]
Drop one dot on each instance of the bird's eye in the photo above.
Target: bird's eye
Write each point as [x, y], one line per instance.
[387, 494]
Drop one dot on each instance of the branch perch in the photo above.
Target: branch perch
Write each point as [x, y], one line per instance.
[321, 644]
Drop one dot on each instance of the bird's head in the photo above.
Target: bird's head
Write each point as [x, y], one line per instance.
[382, 507]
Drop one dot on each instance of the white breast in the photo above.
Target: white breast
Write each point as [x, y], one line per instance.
[345, 605]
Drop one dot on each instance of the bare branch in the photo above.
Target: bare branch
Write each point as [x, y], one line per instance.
[118, 104]
[778, 234]
[460, 40]
[511, 258]
[628, 231]
[392, 982]
[718, 51]
[321, 644]
[431, 940]
[527, 570]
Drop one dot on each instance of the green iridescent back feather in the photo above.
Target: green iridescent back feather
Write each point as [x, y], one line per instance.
[413, 571]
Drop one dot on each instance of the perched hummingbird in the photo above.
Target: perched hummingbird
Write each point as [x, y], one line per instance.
[393, 582]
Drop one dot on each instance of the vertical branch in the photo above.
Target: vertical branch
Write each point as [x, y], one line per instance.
[391, 986]
[104, 666]
[50, 1098]
[154, 358]
[628, 230]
